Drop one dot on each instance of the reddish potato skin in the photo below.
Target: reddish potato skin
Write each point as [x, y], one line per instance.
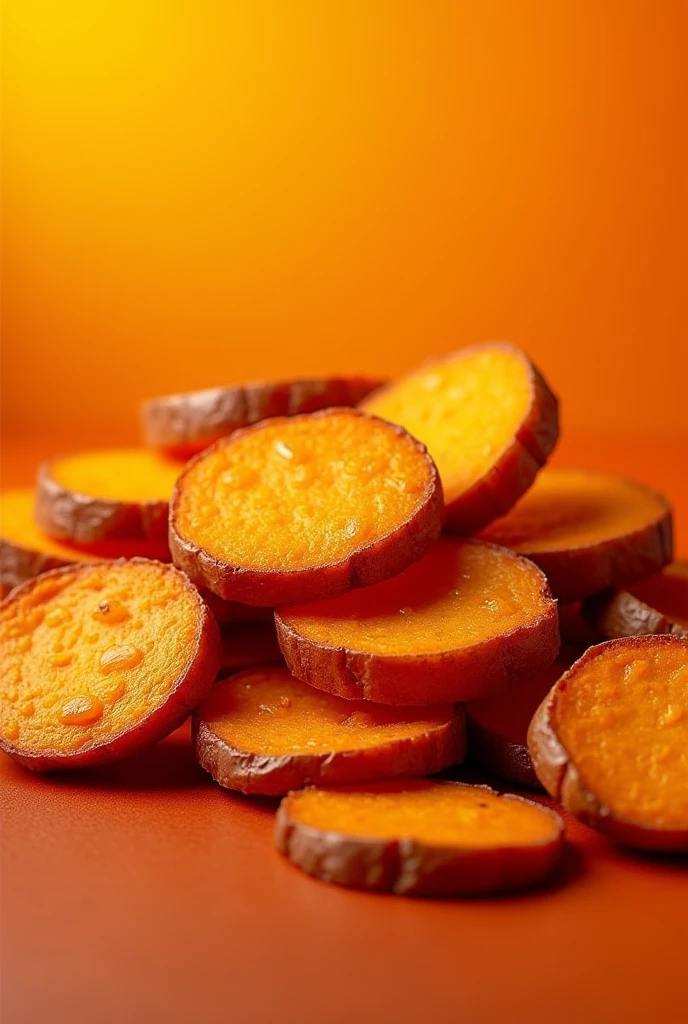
[230, 613]
[560, 777]
[68, 515]
[618, 613]
[408, 867]
[501, 756]
[184, 424]
[273, 775]
[373, 563]
[579, 572]
[458, 675]
[514, 472]
[19, 564]
[188, 691]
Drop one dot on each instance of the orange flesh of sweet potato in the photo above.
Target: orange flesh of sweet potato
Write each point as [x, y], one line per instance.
[419, 837]
[25, 551]
[185, 424]
[262, 731]
[465, 620]
[657, 605]
[96, 496]
[306, 506]
[611, 740]
[489, 421]
[249, 643]
[100, 660]
[499, 724]
[588, 531]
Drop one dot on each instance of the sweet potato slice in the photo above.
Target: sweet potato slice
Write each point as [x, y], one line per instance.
[185, 424]
[264, 732]
[498, 725]
[305, 507]
[420, 838]
[657, 605]
[588, 531]
[610, 741]
[489, 420]
[249, 643]
[468, 619]
[100, 660]
[120, 494]
[25, 551]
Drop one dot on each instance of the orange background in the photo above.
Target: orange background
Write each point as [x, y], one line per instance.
[200, 191]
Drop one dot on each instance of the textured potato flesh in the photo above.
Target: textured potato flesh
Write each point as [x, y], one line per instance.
[667, 593]
[467, 411]
[436, 813]
[571, 508]
[303, 492]
[88, 655]
[509, 714]
[17, 526]
[459, 594]
[623, 718]
[269, 712]
[126, 474]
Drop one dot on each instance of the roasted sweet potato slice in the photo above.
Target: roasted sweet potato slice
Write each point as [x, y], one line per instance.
[100, 660]
[489, 420]
[305, 507]
[187, 423]
[498, 725]
[120, 494]
[657, 605]
[610, 741]
[249, 643]
[25, 551]
[262, 731]
[588, 531]
[420, 838]
[468, 619]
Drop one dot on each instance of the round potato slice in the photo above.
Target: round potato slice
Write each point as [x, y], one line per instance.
[262, 731]
[25, 551]
[657, 605]
[420, 838]
[305, 507]
[489, 420]
[185, 424]
[468, 619]
[101, 660]
[588, 531]
[610, 741]
[109, 495]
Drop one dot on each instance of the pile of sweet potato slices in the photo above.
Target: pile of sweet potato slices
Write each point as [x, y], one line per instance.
[371, 582]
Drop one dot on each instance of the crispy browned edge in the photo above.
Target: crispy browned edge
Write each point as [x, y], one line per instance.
[518, 464]
[575, 573]
[559, 775]
[188, 690]
[186, 423]
[19, 564]
[412, 868]
[274, 775]
[374, 562]
[618, 613]
[453, 675]
[69, 515]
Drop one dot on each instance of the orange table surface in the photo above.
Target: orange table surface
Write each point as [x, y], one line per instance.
[141, 892]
